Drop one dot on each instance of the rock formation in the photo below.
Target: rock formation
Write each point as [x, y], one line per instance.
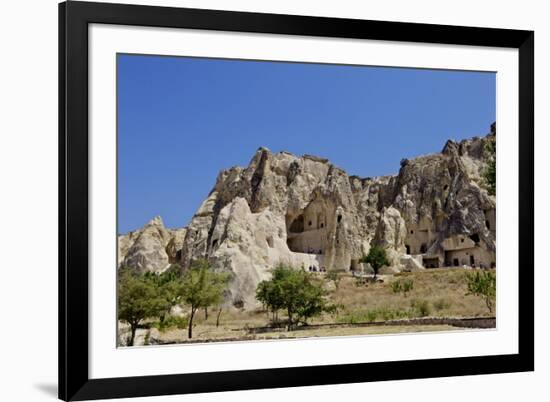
[309, 213]
[152, 248]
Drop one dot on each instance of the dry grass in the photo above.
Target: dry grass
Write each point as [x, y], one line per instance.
[443, 290]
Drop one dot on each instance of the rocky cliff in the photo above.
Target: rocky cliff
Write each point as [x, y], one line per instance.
[305, 211]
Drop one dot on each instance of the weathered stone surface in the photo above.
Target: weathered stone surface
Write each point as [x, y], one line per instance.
[308, 212]
[145, 249]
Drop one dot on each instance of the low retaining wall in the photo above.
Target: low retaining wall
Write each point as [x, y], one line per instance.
[469, 322]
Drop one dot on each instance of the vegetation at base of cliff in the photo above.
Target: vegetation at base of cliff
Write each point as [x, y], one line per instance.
[402, 286]
[138, 300]
[435, 293]
[300, 294]
[484, 285]
[377, 259]
[201, 287]
[151, 296]
[335, 277]
[490, 173]
[171, 322]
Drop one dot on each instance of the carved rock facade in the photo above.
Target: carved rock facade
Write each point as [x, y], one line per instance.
[308, 212]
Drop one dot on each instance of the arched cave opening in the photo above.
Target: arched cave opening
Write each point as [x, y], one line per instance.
[297, 225]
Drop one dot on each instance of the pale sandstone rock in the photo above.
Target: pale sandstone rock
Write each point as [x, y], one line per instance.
[309, 213]
[147, 252]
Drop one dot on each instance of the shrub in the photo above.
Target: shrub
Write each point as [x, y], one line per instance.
[421, 307]
[170, 322]
[484, 285]
[396, 287]
[404, 286]
[407, 286]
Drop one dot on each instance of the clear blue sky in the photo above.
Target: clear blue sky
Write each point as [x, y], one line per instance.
[182, 120]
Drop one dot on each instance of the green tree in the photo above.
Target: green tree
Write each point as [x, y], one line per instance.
[491, 169]
[169, 286]
[201, 287]
[377, 258]
[138, 299]
[484, 285]
[297, 292]
[270, 295]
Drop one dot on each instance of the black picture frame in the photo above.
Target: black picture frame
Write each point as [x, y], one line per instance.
[74, 381]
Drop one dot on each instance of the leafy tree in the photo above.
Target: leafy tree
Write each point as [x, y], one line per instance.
[201, 287]
[169, 286]
[334, 276]
[484, 285]
[491, 169]
[138, 299]
[270, 295]
[297, 292]
[377, 258]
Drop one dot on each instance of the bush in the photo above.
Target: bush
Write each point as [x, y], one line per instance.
[404, 286]
[484, 285]
[396, 287]
[421, 307]
[170, 322]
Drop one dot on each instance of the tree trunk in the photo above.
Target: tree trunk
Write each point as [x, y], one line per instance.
[206, 313]
[190, 328]
[289, 320]
[133, 328]
[218, 318]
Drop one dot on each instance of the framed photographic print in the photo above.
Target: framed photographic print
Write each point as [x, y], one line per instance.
[257, 200]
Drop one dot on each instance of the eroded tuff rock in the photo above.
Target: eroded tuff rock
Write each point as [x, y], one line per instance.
[152, 248]
[308, 212]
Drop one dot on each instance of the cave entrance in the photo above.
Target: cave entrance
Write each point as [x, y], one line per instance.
[297, 225]
[431, 262]
[472, 260]
[408, 248]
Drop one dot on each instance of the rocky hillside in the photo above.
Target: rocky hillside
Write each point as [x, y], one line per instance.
[305, 211]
